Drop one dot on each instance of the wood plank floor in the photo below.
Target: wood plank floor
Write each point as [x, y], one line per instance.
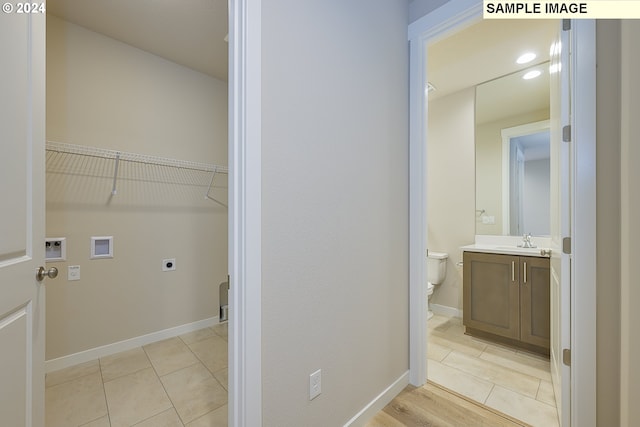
[435, 406]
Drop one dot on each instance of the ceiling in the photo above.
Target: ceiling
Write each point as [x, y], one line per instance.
[510, 95]
[486, 51]
[192, 32]
[188, 32]
[534, 146]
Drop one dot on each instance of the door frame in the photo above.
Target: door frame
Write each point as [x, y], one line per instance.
[245, 214]
[442, 22]
[507, 134]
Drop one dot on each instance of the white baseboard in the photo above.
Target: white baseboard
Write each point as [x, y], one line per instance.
[377, 404]
[117, 347]
[444, 310]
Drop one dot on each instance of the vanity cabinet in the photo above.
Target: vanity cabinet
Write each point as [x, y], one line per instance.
[506, 297]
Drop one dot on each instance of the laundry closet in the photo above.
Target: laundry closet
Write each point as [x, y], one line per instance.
[136, 195]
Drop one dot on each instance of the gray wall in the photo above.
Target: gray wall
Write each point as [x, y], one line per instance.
[630, 212]
[419, 8]
[536, 197]
[334, 207]
[608, 223]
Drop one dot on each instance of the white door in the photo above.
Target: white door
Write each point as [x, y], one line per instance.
[561, 202]
[22, 126]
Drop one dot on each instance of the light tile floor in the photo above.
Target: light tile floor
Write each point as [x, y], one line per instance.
[515, 382]
[178, 382]
[182, 381]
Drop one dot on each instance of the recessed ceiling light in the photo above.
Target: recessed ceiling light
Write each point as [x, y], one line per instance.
[526, 57]
[532, 74]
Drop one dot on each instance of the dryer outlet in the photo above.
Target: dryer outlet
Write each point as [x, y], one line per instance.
[169, 264]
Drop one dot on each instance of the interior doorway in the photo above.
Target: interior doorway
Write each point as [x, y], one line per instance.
[469, 120]
[448, 20]
[137, 119]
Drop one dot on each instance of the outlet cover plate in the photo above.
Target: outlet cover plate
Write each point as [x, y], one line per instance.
[169, 264]
[73, 272]
[55, 249]
[101, 247]
[315, 384]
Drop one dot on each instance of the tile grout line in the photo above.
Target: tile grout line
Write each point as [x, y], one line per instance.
[104, 392]
[173, 405]
[489, 394]
[73, 379]
[494, 385]
[205, 366]
[215, 332]
[502, 369]
[538, 390]
[128, 373]
[466, 374]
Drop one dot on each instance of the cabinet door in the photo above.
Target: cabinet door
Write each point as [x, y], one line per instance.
[491, 300]
[534, 298]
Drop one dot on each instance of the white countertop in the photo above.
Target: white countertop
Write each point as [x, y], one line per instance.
[508, 245]
[507, 250]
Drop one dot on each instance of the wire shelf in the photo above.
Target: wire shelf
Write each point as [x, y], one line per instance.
[83, 150]
[187, 172]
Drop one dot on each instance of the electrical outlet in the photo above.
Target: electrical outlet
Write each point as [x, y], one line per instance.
[73, 272]
[169, 264]
[315, 384]
[486, 219]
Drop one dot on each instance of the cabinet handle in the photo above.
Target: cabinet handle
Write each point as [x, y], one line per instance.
[513, 271]
[525, 272]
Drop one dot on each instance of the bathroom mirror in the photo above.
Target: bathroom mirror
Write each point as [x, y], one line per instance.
[512, 154]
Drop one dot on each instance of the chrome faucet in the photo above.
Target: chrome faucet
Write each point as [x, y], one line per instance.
[526, 242]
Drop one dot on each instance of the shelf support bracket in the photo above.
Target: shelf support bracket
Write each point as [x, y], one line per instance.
[114, 191]
[207, 196]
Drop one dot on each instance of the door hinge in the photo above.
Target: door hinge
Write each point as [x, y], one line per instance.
[566, 133]
[228, 281]
[566, 245]
[566, 24]
[566, 356]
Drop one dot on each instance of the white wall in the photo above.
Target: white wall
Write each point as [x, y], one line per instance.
[103, 93]
[334, 206]
[451, 187]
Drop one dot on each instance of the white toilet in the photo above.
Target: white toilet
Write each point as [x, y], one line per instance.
[436, 271]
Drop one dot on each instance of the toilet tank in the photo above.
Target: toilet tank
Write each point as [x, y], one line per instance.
[436, 267]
